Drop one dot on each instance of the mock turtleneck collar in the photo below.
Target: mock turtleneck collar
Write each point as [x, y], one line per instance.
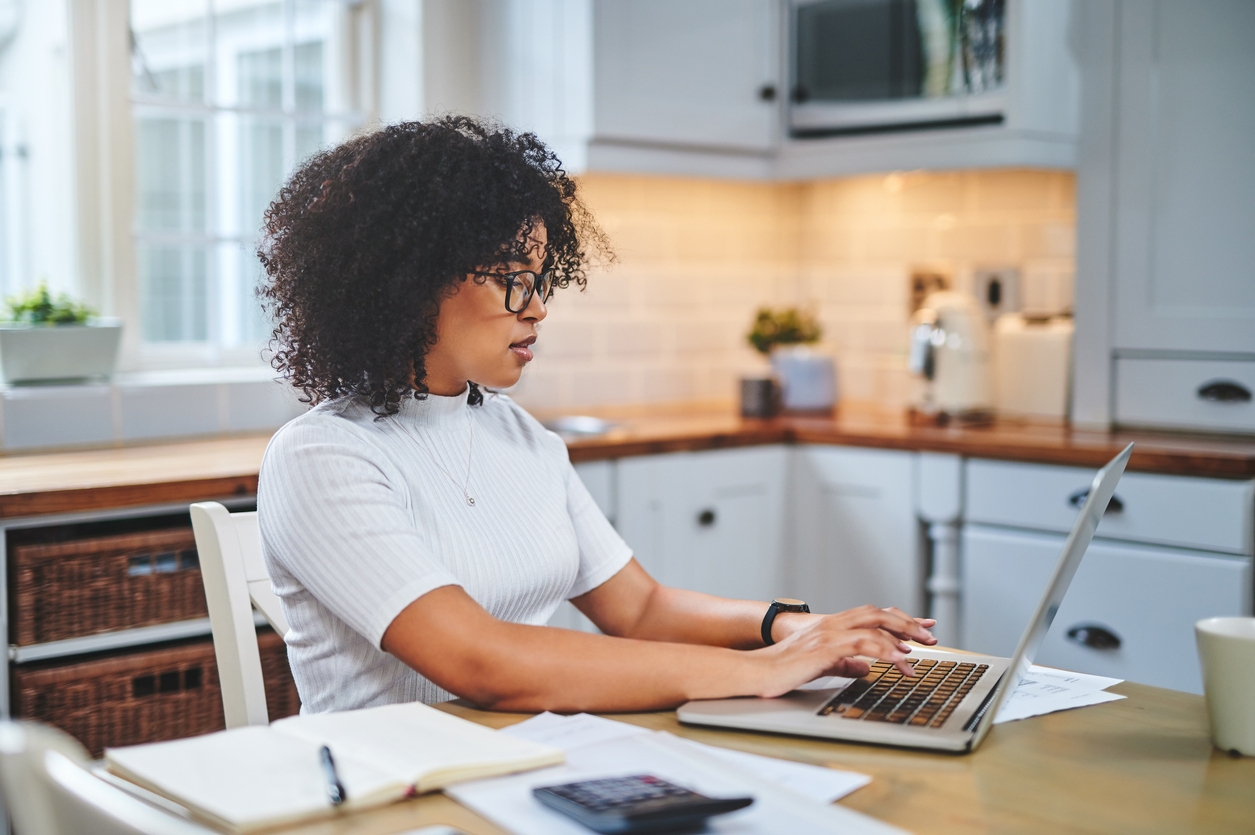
[436, 411]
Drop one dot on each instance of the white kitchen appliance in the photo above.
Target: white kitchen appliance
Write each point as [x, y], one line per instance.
[950, 351]
[1032, 358]
[951, 702]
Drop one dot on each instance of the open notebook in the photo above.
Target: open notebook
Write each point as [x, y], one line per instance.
[264, 776]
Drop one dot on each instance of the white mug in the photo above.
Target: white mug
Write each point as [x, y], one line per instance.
[1226, 648]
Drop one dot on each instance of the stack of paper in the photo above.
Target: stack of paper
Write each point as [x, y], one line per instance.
[1045, 690]
[788, 796]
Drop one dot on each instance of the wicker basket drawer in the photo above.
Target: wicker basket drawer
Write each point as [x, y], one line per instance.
[85, 586]
[147, 696]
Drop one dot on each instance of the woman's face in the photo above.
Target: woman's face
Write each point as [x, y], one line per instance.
[477, 339]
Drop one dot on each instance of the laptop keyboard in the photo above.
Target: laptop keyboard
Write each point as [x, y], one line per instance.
[885, 695]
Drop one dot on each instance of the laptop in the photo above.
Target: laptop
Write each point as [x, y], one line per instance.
[950, 703]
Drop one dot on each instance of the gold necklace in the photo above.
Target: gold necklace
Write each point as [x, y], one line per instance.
[470, 452]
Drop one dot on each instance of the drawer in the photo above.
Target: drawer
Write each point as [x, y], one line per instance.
[147, 695]
[1195, 394]
[86, 586]
[1205, 513]
[1147, 598]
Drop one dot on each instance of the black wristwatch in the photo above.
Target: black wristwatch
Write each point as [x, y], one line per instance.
[780, 604]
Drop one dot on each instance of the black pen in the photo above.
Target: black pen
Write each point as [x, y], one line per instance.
[335, 789]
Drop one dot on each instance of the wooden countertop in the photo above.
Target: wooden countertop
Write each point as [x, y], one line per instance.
[63, 482]
[671, 428]
[1142, 764]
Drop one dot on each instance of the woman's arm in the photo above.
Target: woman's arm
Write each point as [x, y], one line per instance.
[632, 604]
[451, 640]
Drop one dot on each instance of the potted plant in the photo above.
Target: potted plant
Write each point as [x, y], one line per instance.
[45, 339]
[788, 337]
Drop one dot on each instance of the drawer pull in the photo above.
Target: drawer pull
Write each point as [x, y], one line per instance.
[1224, 391]
[1078, 498]
[1094, 636]
[706, 518]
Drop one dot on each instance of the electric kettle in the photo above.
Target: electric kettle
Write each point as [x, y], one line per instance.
[950, 351]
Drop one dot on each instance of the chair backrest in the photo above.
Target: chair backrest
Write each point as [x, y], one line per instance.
[48, 790]
[229, 545]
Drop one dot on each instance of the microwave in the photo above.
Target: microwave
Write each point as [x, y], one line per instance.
[872, 66]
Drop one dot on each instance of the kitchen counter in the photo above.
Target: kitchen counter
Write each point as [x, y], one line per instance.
[643, 431]
[64, 482]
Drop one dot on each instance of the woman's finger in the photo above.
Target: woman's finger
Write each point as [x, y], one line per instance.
[890, 620]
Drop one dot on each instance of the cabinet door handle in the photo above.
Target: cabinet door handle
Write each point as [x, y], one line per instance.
[1078, 498]
[1094, 636]
[767, 92]
[1224, 391]
[706, 518]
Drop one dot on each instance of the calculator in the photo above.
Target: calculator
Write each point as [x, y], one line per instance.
[639, 803]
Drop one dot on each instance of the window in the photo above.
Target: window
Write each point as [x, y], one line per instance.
[226, 97]
[11, 267]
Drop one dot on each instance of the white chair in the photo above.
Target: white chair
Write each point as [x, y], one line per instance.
[229, 545]
[48, 790]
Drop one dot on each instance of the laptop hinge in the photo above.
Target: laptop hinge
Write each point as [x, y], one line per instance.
[974, 720]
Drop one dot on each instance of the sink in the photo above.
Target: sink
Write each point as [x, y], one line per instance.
[575, 427]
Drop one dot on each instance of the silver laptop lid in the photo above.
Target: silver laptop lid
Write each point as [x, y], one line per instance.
[1100, 493]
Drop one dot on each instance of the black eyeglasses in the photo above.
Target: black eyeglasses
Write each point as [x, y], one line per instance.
[521, 285]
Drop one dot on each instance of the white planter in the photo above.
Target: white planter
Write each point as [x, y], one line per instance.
[64, 353]
[808, 377]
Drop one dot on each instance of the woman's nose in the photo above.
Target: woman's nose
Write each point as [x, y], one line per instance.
[535, 310]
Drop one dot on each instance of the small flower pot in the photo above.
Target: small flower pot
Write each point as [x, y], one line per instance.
[59, 353]
[808, 377]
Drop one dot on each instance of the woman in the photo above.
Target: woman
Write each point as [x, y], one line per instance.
[421, 528]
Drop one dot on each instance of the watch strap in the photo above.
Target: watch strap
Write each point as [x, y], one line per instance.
[776, 607]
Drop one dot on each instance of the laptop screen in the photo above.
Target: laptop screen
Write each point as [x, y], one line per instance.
[1100, 493]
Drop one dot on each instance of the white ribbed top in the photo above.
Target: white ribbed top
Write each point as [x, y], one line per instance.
[358, 521]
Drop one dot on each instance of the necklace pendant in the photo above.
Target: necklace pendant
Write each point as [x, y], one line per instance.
[470, 500]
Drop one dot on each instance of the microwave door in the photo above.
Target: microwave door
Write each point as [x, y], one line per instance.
[868, 64]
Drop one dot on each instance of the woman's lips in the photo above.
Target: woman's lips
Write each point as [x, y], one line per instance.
[522, 349]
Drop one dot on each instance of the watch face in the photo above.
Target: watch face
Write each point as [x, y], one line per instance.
[788, 601]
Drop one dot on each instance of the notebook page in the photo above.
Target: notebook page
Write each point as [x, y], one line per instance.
[247, 777]
[417, 743]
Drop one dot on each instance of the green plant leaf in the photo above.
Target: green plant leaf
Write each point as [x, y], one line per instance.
[787, 326]
[36, 306]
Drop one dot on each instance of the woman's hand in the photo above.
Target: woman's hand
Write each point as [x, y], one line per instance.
[824, 645]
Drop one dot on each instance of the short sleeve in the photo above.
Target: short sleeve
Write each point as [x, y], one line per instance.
[603, 553]
[334, 516]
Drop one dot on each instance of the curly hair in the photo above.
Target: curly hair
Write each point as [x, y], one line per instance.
[367, 238]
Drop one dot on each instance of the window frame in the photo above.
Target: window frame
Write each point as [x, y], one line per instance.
[105, 147]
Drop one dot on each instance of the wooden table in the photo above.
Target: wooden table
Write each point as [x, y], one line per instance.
[1142, 764]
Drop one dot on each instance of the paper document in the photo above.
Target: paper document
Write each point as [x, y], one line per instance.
[567, 732]
[1044, 690]
[508, 801]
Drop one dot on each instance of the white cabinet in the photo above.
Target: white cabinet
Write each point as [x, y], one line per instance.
[686, 72]
[855, 536]
[698, 87]
[1185, 255]
[1166, 192]
[708, 521]
[1171, 550]
[1208, 514]
[1141, 600]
